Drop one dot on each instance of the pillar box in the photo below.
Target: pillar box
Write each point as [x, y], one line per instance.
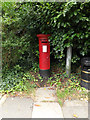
[44, 55]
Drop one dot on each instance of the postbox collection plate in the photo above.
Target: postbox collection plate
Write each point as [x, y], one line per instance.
[44, 48]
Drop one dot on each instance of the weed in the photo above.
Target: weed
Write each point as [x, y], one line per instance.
[67, 88]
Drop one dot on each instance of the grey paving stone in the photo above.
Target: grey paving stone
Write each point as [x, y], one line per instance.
[46, 105]
[47, 110]
[16, 107]
[46, 94]
[89, 110]
[80, 112]
[75, 108]
[0, 97]
[68, 103]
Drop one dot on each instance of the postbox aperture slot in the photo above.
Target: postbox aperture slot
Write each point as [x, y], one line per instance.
[44, 48]
[43, 40]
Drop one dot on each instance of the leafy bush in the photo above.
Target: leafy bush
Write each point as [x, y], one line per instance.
[67, 22]
[19, 41]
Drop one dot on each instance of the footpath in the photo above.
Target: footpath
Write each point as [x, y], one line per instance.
[44, 105]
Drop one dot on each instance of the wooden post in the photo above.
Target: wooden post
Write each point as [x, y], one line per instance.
[68, 61]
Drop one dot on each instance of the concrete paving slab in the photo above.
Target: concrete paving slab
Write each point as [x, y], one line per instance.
[46, 94]
[68, 103]
[89, 110]
[0, 112]
[16, 107]
[47, 110]
[75, 111]
[3, 99]
[75, 108]
[0, 96]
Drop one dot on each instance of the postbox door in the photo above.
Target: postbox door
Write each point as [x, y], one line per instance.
[44, 56]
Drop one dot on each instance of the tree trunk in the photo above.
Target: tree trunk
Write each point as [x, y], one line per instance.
[68, 61]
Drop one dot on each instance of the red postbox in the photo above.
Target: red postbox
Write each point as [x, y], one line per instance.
[44, 55]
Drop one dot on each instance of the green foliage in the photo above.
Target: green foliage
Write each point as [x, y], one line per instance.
[19, 41]
[61, 80]
[70, 89]
[16, 80]
[35, 67]
[57, 79]
[71, 28]
[40, 77]
[67, 22]
[12, 82]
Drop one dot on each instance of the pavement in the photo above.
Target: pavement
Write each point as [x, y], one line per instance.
[16, 107]
[44, 105]
[75, 108]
